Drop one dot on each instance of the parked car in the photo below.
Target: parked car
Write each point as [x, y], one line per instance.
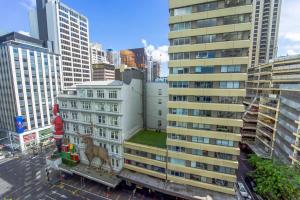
[243, 190]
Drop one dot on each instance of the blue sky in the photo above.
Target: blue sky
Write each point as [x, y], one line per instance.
[121, 24]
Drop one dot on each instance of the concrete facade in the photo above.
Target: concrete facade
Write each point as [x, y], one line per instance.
[156, 105]
[67, 32]
[109, 110]
[103, 72]
[30, 80]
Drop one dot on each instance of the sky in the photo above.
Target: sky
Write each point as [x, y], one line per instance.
[123, 24]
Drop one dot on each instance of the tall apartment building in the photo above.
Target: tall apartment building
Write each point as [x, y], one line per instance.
[209, 54]
[97, 54]
[109, 110]
[67, 32]
[29, 83]
[266, 17]
[273, 117]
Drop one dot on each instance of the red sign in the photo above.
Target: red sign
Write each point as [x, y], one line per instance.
[30, 137]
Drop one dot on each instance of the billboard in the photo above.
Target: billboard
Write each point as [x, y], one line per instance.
[19, 120]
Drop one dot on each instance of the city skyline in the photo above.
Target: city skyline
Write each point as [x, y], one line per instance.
[107, 32]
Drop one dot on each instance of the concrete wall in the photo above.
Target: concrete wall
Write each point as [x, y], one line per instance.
[155, 103]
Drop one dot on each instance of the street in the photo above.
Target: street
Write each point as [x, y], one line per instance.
[244, 168]
[25, 178]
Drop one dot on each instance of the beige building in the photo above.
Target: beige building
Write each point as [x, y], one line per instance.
[209, 54]
[270, 123]
[103, 72]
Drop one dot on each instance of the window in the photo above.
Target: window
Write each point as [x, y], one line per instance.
[159, 123]
[64, 104]
[183, 11]
[101, 132]
[180, 70]
[204, 70]
[86, 105]
[87, 118]
[180, 41]
[177, 161]
[159, 112]
[73, 104]
[100, 94]
[175, 173]
[179, 111]
[101, 106]
[160, 158]
[225, 170]
[224, 143]
[181, 26]
[76, 128]
[101, 119]
[177, 149]
[179, 98]
[74, 116]
[230, 84]
[114, 121]
[89, 93]
[159, 101]
[159, 91]
[203, 99]
[112, 94]
[64, 115]
[230, 69]
[180, 84]
[198, 165]
[114, 135]
[87, 129]
[200, 139]
[113, 107]
[203, 84]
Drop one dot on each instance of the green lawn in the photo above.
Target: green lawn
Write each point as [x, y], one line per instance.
[150, 138]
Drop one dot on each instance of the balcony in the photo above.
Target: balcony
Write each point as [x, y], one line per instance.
[266, 131]
[250, 118]
[249, 126]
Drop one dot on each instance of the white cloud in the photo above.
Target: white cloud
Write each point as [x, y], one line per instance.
[24, 33]
[28, 4]
[157, 53]
[295, 37]
[289, 31]
[291, 52]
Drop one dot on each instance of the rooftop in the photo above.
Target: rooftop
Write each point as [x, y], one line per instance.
[102, 83]
[150, 138]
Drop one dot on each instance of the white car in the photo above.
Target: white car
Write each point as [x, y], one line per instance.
[243, 190]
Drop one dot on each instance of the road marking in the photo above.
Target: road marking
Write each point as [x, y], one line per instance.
[87, 192]
[50, 197]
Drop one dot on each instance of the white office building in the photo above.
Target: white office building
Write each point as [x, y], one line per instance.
[111, 111]
[68, 33]
[97, 54]
[29, 83]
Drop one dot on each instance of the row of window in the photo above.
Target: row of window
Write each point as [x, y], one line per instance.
[221, 37]
[112, 94]
[200, 126]
[209, 54]
[208, 6]
[207, 99]
[207, 69]
[219, 21]
[205, 113]
[99, 106]
[204, 140]
[206, 84]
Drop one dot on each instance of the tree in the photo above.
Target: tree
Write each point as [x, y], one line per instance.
[275, 180]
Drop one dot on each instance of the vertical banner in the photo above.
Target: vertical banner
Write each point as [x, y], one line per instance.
[19, 120]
